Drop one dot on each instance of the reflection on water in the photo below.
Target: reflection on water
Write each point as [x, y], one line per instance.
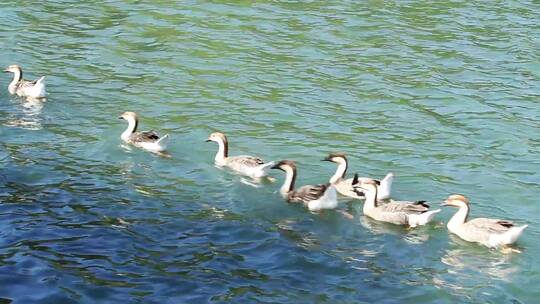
[130, 148]
[29, 116]
[304, 239]
[494, 264]
[473, 269]
[415, 235]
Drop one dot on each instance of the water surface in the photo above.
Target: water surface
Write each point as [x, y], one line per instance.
[445, 95]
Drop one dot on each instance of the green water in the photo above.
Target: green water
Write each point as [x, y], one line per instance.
[443, 94]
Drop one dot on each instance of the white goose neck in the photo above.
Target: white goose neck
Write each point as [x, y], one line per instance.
[288, 185]
[17, 76]
[221, 154]
[371, 199]
[340, 172]
[460, 217]
[132, 127]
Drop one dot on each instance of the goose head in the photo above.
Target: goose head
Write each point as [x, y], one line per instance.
[456, 200]
[217, 137]
[338, 158]
[285, 165]
[366, 186]
[13, 69]
[289, 167]
[128, 116]
[341, 160]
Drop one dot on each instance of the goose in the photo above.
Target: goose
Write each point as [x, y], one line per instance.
[251, 166]
[315, 197]
[25, 88]
[396, 212]
[492, 233]
[344, 186]
[147, 140]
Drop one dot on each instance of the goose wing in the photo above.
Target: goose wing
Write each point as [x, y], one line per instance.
[24, 84]
[405, 207]
[245, 161]
[308, 193]
[489, 225]
[146, 136]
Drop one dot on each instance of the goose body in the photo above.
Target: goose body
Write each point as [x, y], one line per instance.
[314, 197]
[396, 212]
[251, 166]
[344, 186]
[25, 88]
[488, 232]
[147, 140]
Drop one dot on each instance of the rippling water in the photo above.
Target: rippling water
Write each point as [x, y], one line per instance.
[446, 95]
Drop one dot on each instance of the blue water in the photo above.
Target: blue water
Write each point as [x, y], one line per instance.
[443, 94]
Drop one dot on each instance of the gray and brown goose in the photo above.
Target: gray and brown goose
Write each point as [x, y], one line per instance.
[400, 213]
[148, 140]
[315, 197]
[488, 232]
[25, 88]
[251, 166]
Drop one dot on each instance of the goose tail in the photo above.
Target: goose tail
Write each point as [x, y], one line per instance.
[41, 81]
[163, 142]
[512, 235]
[331, 194]
[385, 187]
[38, 89]
[262, 170]
[327, 201]
[422, 218]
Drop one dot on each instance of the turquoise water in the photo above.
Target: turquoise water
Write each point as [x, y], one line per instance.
[445, 95]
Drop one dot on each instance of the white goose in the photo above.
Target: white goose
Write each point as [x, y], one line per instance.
[148, 140]
[251, 166]
[488, 232]
[344, 186]
[25, 88]
[396, 212]
[315, 197]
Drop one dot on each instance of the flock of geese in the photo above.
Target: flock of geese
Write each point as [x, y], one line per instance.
[378, 205]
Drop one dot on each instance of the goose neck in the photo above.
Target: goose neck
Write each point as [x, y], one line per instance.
[290, 178]
[371, 199]
[132, 128]
[223, 151]
[460, 217]
[340, 172]
[17, 77]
